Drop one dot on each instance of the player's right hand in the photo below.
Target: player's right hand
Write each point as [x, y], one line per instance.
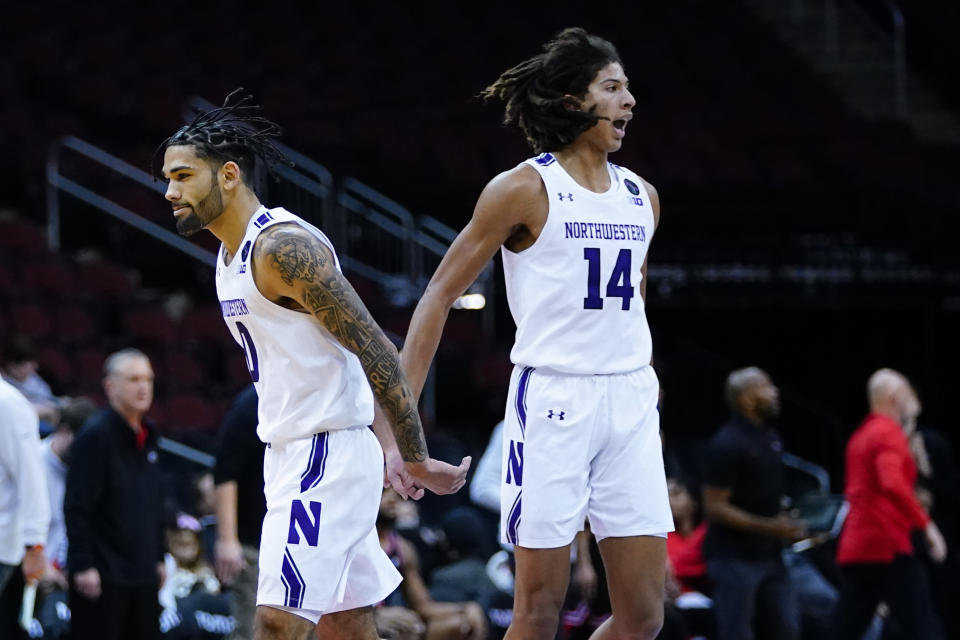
[228, 559]
[88, 582]
[395, 475]
[788, 528]
[439, 477]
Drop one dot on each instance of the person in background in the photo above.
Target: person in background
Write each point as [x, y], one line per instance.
[240, 507]
[24, 508]
[440, 620]
[113, 511]
[56, 451]
[875, 555]
[743, 487]
[21, 369]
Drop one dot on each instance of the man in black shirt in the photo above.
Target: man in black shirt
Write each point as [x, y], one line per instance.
[743, 486]
[113, 511]
[241, 505]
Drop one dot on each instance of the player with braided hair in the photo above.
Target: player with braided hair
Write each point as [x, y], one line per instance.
[314, 353]
[581, 432]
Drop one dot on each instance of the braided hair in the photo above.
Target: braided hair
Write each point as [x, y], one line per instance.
[226, 134]
[541, 93]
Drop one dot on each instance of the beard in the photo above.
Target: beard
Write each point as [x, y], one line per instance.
[769, 411]
[203, 213]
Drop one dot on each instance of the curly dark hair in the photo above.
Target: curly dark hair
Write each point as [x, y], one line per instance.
[541, 93]
[228, 134]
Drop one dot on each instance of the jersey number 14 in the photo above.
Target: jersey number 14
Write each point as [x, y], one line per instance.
[618, 286]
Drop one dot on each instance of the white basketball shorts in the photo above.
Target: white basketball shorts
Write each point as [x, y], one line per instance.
[577, 446]
[319, 551]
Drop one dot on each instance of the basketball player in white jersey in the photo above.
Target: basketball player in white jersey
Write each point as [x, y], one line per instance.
[581, 435]
[314, 353]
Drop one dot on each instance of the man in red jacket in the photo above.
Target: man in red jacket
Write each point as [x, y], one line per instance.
[874, 553]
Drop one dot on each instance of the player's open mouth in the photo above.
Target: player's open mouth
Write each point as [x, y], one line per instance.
[620, 126]
[180, 210]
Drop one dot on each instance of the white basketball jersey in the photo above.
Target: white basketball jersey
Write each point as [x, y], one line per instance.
[306, 380]
[575, 293]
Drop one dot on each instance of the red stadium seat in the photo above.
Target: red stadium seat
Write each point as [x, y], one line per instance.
[190, 411]
[182, 371]
[75, 324]
[49, 275]
[149, 325]
[31, 320]
[22, 239]
[57, 369]
[103, 279]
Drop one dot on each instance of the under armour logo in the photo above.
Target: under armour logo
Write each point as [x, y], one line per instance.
[562, 197]
[559, 415]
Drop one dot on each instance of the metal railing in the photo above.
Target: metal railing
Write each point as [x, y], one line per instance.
[57, 182]
[893, 37]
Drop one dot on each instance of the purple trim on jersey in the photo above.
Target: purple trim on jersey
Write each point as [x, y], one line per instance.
[513, 520]
[318, 463]
[293, 584]
[521, 402]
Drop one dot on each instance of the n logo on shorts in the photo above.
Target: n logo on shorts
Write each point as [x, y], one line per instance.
[310, 528]
[515, 464]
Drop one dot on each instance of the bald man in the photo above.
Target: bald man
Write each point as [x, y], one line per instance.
[743, 485]
[875, 553]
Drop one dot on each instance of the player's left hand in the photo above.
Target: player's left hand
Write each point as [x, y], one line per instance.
[395, 475]
[439, 477]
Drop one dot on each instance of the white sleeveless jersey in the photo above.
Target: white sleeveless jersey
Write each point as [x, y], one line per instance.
[306, 380]
[575, 293]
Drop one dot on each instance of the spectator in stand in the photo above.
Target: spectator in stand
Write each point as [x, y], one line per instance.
[24, 509]
[875, 554]
[240, 507]
[22, 371]
[113, 511]
[743, 487]
[685, 545]
[440, 620]
[56, 451]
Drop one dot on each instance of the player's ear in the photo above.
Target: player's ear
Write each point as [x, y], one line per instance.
[572, 103]
[230, 175]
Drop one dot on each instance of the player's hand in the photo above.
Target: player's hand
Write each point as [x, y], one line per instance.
[395, 475]
[227, 559]
[88, 583]
[788, 528]
[398, 623]
[34, 564]
[935, 543]
[439, 477]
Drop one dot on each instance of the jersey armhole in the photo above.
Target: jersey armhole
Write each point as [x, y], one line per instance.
[536, 242]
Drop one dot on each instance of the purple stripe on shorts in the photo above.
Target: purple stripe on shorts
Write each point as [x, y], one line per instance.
[316, 466]
[292, 582]
[513, 520]
[521, 402]
[323, 460]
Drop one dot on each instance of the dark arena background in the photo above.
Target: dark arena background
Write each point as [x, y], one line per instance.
[806, 155]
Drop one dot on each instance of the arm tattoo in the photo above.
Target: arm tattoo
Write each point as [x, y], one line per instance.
[303, 262]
